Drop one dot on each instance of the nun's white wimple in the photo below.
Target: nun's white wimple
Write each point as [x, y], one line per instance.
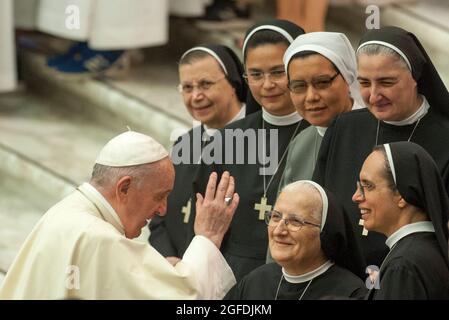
[209, 51]
[323, 199]
[335, 47]
[390, 160]
[267, 27]
[389, 45]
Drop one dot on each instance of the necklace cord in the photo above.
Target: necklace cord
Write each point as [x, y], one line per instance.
[265, 187]
[302, 294]
[409, 138]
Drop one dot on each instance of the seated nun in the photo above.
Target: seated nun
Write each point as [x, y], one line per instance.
[314, 249]
[401, 195]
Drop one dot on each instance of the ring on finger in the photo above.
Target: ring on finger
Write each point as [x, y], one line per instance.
[228, 200]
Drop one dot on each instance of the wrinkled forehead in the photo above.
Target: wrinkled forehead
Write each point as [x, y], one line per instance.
[206, 66]
[381, 65]
[302, 201]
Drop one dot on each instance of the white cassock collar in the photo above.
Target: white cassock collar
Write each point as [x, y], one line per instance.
[321, 130]
[424, 226]
[421, 112]
[108, 213]
[240, 115]
[287, 120]
[309, 275]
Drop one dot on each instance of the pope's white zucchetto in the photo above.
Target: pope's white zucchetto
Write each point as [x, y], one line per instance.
[130, 149]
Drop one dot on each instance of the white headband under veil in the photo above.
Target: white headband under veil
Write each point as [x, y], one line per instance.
[323, 195]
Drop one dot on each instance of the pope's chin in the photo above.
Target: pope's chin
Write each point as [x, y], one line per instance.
[133, 233]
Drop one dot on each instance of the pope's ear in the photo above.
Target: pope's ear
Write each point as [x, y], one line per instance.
[122, 186]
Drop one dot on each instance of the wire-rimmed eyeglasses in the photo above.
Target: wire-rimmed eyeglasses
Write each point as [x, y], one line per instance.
[293, 222]
[360, 189]
[319, 83]
[258, 77]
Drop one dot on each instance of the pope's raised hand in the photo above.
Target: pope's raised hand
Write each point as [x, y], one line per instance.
[214, 211]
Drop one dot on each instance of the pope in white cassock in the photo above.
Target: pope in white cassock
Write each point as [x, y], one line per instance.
[83, 247]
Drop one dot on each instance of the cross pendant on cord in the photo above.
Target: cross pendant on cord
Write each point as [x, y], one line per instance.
[186, 211]
[262, 207]
[362, 223]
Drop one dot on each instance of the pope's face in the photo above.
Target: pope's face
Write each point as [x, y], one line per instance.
[148, 198]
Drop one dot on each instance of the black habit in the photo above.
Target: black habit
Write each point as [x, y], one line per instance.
[351, 136]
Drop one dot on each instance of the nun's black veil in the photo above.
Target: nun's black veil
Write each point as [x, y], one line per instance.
[423, 71]
[419, 182]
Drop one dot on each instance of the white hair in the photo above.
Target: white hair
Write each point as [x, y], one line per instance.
[378, 49]
[106, 176]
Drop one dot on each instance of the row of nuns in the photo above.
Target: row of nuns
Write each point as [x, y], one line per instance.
[355, 203]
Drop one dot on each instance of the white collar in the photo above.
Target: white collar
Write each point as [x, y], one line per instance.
[240, 115]
[322, 130]
[281, 120]
[421, 112]
[423, 226]
[356, 105]
[309, 275]
[106, 210]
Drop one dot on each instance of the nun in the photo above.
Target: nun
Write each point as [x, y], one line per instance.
[258, 159]
[322, 78]
[406, 101]
[401, 195]
[313, 247]
[214, 93]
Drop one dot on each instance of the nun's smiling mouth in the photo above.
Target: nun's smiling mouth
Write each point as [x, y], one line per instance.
[364, 212]
[315, 109]
[381, 106]
[202, 109]
[272, 97]
[282, 243]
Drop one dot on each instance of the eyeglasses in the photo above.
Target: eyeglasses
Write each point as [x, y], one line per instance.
[202, 85]
[293, 222]
[258, 77]
[361, 189]
[319, 83]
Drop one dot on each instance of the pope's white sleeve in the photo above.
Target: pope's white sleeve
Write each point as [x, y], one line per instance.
[214, 276]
